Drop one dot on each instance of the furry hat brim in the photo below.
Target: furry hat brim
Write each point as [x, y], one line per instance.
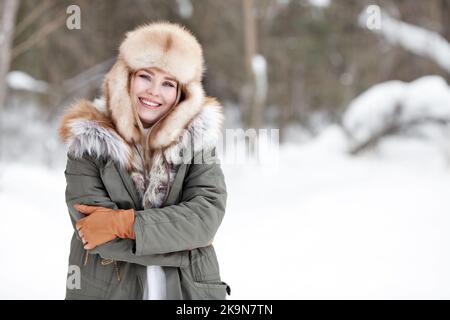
[171, 48]
[167, 46]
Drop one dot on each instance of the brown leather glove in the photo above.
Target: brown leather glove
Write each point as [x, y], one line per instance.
[103, 224]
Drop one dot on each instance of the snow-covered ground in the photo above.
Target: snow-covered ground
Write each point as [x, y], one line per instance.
[322, 225]
[329, 226]
[35, 232]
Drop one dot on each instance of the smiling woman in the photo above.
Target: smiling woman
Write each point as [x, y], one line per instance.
[144, 215]
[154, 92]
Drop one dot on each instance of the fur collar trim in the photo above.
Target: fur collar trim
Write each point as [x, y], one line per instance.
[87, 128]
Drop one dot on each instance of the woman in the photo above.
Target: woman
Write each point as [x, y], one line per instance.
[145, 192]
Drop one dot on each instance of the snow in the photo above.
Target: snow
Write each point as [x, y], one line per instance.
[319, 3]
[20, 80]
[403, 102]
[36, 232]
[329, 226]
[418, 40]
[323, 225]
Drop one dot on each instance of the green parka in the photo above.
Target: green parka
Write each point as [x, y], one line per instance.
[174, 235]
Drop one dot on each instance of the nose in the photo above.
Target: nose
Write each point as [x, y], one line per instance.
[153, 89]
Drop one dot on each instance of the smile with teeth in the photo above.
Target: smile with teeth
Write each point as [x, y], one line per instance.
[149, 103]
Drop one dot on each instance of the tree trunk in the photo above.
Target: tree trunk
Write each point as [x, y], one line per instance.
[445, 25]
[8, 11]
[253, 108]
[445, 18]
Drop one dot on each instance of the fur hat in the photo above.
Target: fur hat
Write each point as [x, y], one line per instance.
[171, 48]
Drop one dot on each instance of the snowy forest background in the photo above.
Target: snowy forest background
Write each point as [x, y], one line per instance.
[356, 206]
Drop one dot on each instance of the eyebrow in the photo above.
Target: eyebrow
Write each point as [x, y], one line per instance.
[152, 73]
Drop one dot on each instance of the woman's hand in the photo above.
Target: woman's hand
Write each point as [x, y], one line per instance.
[103, 224]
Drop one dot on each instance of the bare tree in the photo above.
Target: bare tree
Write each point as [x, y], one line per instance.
[40, 34]
[254, 105]
[8, 11]
[445, 18]
[34, 15]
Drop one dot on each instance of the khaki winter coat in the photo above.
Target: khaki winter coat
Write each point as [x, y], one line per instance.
[184, 206]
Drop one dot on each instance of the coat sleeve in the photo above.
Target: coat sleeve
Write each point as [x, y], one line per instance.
[191, 223]
[85, 186]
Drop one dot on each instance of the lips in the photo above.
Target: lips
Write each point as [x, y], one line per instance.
[150, 104]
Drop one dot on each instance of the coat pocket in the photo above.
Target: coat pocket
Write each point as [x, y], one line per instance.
[203, 290]
[204, 264]
[202, 276]
[213, 290]
[90, 264]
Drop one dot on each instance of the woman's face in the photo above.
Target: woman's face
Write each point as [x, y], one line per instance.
[154, 92]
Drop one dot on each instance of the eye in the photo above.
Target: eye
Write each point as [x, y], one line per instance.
[145, 76]
[169, 84]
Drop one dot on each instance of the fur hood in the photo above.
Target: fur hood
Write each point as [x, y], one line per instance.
[87, 128]
[110, 126]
